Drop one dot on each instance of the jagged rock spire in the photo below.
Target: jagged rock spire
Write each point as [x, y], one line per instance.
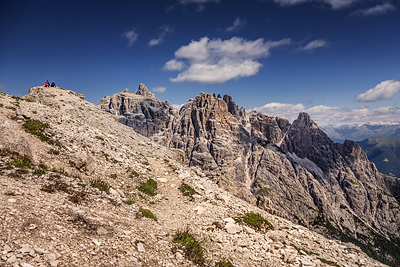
[142, 90]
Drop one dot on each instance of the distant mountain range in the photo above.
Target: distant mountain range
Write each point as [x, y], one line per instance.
[381, 143]
[360, 132]
[384, 152]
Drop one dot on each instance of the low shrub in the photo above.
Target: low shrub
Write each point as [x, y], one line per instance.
[149, 187]
[101, 185]
[328, 262]
[21, 163]
[54, 152]
[255, 221]
[187, 190]
[37, 128]
[147, 213]
[194, 250]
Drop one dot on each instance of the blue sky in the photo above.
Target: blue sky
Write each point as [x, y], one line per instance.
[278, 56]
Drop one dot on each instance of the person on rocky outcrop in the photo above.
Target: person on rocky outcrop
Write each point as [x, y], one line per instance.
[53, 84]
[46, 83]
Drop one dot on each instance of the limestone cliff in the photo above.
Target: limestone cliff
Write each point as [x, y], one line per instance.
[293, 170]
[140, 110]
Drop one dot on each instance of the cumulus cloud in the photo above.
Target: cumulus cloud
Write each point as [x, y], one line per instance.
[289, 111]
[159, 89]
[218, 61]
[325, 115]
[174, 65]
[311, 46]
[131, 36]
[383, 90]
[236, 25]
[335, 4]
[165, 29]
[177, 106]
[376, 10]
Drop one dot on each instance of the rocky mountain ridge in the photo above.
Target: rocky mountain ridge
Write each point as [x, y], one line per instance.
[78, 188]
[292, 170]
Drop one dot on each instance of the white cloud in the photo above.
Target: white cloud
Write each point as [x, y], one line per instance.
[177, 106]
[335, 4]
[217, 73]
[217, 61]
[383, 90]
[160, 39]
[376, 10]
[195, 51]
[289, 111]
[236, 25]
[311, 46]
[159, 89]
[325, 115]
[174, 65]
[131, 36]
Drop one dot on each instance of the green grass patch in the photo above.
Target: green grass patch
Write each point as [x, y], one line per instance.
[54, 152]
[22, 163]
[194, 250]
[305, 250]
[149, 187]
[114, 202]
[187, 190]
[223, 263]
[331, 263]
[99, 138]
[37, 128]
[255, 221]
[129, 202]
[114, 176]
[147, 213]
[134, 174]
[105, 155]
[101, 185]
[41, 169]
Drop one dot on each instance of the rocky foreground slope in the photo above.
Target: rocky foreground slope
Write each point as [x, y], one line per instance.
[78, 188]
[292, 170]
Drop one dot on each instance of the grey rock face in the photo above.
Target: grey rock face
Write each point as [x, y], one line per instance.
[143, 91]
[141, 111]
[292, 170]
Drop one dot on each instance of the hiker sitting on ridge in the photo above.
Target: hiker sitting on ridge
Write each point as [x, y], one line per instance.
[46, 83]
[53, 84]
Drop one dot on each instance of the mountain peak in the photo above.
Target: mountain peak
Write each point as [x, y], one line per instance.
[305, 120]
[143, 91]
